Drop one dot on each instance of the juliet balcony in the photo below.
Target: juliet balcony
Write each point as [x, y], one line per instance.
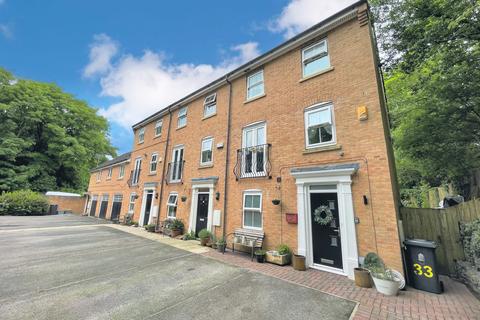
[253, 162]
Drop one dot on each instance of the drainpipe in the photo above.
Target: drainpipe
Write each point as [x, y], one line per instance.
[163, 167]
[227, 157]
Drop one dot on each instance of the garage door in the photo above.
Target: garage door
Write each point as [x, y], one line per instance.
[103, 206]
[93, 205]
[116, 207]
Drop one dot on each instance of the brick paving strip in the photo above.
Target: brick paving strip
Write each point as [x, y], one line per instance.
[457, 302]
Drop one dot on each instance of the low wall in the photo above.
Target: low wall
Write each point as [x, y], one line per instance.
[66, 203]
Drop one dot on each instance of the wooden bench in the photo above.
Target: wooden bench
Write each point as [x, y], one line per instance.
[252, 239]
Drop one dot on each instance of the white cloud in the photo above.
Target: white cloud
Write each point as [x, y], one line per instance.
[102, 50]
[147, 83]
[299, 15]
[6, 31]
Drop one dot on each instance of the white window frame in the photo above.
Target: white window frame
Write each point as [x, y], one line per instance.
[316, 108]
[158, 124]
[252, 193]
[254, 126]
[109, 173]
[172, 204]
[131, 202]
[99, 176]
[250, 86]
[182, 114]
[136, 171]
[121, 171]
[311, 59]
[177, 170]
[152, 162]
[201, 151]
[209, 102]
[141, 135]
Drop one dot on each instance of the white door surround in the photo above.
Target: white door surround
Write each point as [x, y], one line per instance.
[197, 184]
[339, 176]
[147, 190]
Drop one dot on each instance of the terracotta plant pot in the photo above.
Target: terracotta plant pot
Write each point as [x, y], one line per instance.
[298, 262]
[204, 241]
[362, 278]
[175, 233]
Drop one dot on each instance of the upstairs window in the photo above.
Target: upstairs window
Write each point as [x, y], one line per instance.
[319, 126]
[153, 163]
[206, 157]
[210, 105]
[109, 173]
[141, 135]
[315, 58]
[252, 210]
[99, 176]
[182, 117]
[121, 172]
[136, 171]
[158, 128]
[255, 85]
[172, 205]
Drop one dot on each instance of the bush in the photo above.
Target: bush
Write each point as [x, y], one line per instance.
[471, 240]
[150, 227]
[176, 224]
[283, 249]
[204, 234]
[373, 262]
[23, 203]
[190, 236]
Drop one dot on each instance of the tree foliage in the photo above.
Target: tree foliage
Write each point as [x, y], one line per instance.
[431, 56]
[24, 203]
[49, 139]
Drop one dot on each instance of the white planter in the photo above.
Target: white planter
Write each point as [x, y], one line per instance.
[387, 287]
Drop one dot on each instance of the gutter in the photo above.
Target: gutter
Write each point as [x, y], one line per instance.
[227, 157]
[160, 197]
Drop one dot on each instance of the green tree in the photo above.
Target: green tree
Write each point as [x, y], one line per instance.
[49, 139]
[431, 56]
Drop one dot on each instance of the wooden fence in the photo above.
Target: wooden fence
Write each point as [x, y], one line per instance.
[442, 226]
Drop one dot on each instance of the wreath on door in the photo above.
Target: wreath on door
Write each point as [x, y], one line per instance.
[323, 215]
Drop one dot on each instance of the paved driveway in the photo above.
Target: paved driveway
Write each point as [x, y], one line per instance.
[67, 267]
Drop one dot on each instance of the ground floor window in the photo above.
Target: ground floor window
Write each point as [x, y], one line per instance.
[252, 210]
[172, 205]
[131, 204]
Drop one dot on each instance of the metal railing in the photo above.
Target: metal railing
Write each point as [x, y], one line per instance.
[175, 172]
[253, 162]
[134, 178]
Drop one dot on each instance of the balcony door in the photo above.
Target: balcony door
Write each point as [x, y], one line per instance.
[254, 150]
[177, 164]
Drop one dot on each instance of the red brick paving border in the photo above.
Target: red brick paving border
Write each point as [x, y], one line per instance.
[457, 302]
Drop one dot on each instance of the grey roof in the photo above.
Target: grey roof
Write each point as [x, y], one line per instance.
[120, 158]
[327, 167]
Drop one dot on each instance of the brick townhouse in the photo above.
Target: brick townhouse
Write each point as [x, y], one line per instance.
[304, 124]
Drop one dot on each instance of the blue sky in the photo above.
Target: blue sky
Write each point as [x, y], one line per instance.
[130, 58]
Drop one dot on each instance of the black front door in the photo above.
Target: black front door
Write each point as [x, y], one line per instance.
[93, 208]
[148, 206]
[202, 212]
[116, 207]
[103, 209]
[326, 243]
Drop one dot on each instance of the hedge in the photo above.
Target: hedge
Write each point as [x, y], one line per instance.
[23, 203]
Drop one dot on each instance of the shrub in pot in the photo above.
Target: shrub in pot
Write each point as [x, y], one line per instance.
[150, 227]
[281, 256]
[298, 262]
[204, 236]
[384, 279]
[221, 243]
[260, 254]
[176, 227]
[189, 236]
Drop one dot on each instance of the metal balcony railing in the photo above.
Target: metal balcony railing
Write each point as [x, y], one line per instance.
[134, 178]
[253, 162]
[175, 172]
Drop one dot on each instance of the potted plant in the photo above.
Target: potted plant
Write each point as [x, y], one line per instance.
[134, 224]
[150, 227]
[298, 262]
[204, 236]
[221, 243]
[260, 254]
[176, 227]
[281, 256]
[189, 236]
[384, 279]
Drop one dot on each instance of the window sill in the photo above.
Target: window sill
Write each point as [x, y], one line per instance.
[316, 74]
[205, 166]
[209, 116]
[152, 174]
[175, 182]
[254, 98]
[140, 142]
[120, 178]
[159, 136]
[178, 128]
[331, 147]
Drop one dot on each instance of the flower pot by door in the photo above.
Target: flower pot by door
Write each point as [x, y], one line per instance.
[261, 258]
[221, 248]
[386, 287]
[298, 262]
[362, 278]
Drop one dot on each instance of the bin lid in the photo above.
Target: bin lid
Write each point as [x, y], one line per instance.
[421, 243]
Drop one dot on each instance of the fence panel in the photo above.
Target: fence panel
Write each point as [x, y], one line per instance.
[442, 226]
